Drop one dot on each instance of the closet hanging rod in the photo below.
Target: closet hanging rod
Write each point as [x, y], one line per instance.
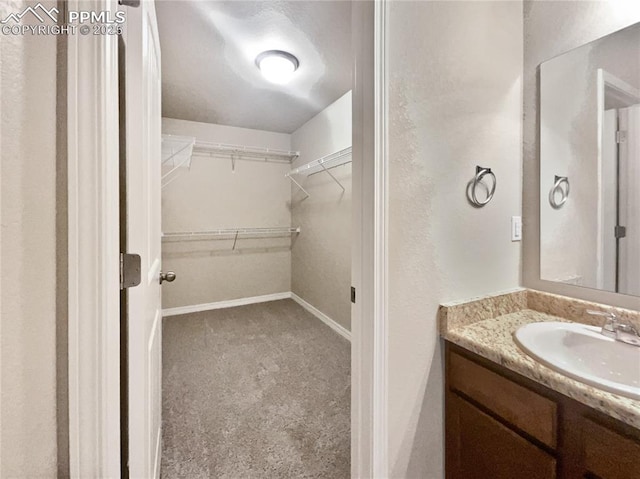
[240, 152]
[231, 233]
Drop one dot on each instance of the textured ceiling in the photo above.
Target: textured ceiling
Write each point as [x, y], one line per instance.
[209, 49]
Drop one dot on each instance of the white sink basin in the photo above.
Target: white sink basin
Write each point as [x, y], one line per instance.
[580, 351]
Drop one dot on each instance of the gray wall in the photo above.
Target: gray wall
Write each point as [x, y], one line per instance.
[28, 253]
[455, 102]
[321, 256]
[552, 28]
[212, 196]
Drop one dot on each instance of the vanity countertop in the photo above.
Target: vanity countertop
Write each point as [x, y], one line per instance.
[485, 326]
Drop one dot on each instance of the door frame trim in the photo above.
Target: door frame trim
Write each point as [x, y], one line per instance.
[93, 251]
[369, 353]
[381, 289]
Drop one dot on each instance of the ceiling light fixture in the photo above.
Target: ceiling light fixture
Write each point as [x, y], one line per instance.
[277, 66]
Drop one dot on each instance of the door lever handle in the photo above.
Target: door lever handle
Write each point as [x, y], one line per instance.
[169, 276]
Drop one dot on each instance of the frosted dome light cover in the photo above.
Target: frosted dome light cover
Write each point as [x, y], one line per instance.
[277, 66]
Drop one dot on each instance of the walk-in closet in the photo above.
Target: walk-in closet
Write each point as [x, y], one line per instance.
[256, 222]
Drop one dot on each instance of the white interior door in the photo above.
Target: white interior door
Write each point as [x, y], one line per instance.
[608, 204]
[629, 254]
[143, 133]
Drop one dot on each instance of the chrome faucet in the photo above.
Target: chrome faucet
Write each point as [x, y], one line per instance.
[617, 329]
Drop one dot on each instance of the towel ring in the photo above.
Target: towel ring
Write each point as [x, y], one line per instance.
[481, 173]
[559, 181]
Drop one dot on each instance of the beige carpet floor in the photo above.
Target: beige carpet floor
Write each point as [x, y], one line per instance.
[257, 391]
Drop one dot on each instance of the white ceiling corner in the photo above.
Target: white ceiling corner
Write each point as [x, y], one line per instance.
[209, 49]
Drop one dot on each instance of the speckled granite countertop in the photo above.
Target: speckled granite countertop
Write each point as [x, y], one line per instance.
[485, 326]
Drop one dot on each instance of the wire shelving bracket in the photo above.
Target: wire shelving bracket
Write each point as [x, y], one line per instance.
[323, 164]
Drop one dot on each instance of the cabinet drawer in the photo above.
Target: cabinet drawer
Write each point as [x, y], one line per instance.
[525, 409]
[487, 449]
[608, 454]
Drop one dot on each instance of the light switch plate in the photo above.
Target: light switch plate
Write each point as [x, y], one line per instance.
[516, 228]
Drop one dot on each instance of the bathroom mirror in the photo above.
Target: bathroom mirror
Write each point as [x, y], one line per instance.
[590, 165]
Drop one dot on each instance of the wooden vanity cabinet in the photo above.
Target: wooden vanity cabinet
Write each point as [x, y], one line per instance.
[500, 425]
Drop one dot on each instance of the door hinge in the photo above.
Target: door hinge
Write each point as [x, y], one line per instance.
[353, 294]
[621, 136]
[620, 231]
[130, 270]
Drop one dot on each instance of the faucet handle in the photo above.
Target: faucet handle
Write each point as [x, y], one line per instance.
[628, 334]
[609, 327]
[618, 330]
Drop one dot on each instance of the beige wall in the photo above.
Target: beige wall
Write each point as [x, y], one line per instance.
[454, 103]
[569, 234]
[321, 256]
[212, 196]
[28, 253]
[552, 28]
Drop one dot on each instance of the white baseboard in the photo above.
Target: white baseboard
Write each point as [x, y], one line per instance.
[342, 331]
[196, 308]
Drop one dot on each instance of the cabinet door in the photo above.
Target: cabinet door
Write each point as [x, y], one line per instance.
[479, 447]
[524, 409]
[609, 455]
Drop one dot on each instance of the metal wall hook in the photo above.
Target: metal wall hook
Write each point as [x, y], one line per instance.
[558, 188]
[481, 172]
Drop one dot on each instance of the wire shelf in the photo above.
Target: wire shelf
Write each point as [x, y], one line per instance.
[176, 154]
[239, 152]
[324, 164]
[230, 233]
[327, 162]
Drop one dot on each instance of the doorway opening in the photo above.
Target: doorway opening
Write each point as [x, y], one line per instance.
[95, 426]
[619, 181]
[256, 222]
